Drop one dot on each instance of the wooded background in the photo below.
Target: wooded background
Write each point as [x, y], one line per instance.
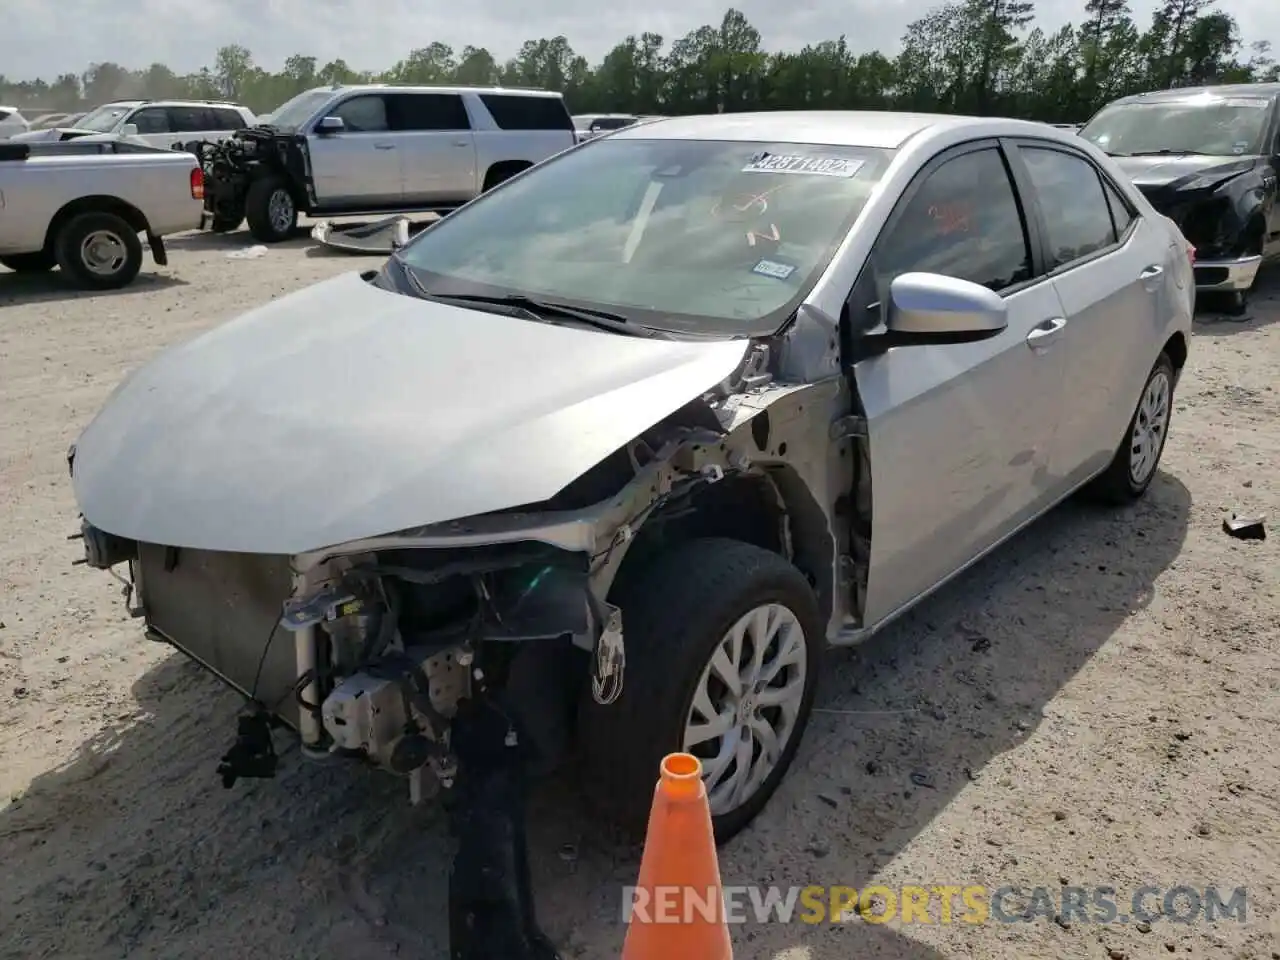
[967, 56]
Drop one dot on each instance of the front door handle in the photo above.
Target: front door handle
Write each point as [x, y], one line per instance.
[1045, 333]
[1150, 277]
[384, 146]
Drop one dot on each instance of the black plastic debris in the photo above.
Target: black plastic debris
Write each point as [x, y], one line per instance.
[1245, 528]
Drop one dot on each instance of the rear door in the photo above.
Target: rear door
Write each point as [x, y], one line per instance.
[961, 435]
[359, 166]
[437, 148]
[1109, 268]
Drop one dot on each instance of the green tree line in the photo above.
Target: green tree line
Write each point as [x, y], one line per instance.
[965, 56]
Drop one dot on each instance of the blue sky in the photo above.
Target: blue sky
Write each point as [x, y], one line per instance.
[44, 38]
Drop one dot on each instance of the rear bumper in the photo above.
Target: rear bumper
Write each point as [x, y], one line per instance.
[1227, 275]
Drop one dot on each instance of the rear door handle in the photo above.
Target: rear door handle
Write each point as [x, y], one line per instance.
[462, 143]
[1150, 277]
[384, 146]
[1045, 333]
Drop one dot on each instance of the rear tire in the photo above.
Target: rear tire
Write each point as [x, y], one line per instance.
[678, 613]
[40, 262]
[270, 210]
[99, 251]
[1134, 465]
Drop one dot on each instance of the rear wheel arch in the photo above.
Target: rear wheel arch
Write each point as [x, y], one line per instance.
[503, 170]
[94, 204]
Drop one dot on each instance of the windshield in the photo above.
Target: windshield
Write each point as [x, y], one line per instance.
[683, 235]
[294, 113]
[1231, 126]
[103, 119]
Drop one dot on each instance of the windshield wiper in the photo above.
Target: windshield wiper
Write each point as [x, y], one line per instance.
[1166, 153]
[541, 309]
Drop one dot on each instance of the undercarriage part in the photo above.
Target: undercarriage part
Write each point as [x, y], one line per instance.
[253, 755]
[491, 909]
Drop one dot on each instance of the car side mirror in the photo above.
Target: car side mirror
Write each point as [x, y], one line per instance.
[129, 130]
[331, 125]
[932, 306]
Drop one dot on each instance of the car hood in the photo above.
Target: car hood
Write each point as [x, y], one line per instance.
[1166, 171]
[345, 411]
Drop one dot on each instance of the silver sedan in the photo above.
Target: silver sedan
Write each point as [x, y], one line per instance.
[750, 384]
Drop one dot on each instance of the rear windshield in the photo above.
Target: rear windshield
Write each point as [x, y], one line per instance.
[699, 236]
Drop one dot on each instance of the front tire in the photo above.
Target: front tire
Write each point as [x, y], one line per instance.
[723, 647]
[1134, 465]
[99, 251]
[270, 210]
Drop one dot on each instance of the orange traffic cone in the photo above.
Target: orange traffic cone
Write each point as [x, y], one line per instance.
[677, 909]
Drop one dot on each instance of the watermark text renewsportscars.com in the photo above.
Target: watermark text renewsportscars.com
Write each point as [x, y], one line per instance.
[936, 904]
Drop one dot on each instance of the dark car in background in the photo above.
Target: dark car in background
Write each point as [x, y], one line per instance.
[1206, 157]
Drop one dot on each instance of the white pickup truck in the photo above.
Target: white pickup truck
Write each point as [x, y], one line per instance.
[378, 148]
[80, 206]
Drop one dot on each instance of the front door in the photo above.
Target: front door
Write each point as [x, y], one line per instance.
[961, 435]
[153, 125]
[360, 165]
[437, 148]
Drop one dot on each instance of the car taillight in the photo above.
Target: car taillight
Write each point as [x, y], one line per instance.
[197, 184]
[1191, 254]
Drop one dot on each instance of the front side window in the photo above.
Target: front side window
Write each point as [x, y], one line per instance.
[151, 120]
[963, 222]
[1215, 126]
[718, 237]
[365, 114]
[1077, 218]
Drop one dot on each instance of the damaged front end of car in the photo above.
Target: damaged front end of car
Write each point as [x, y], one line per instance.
[456, 654]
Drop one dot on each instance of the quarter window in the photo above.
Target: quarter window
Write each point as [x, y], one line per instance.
[1121, 213]
[366, 114]
[1076, 214]
[963, 222]
[517, 112]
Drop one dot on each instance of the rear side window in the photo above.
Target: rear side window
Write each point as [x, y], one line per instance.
[514, 112]
[226, 119]
[188, 119]
[963, 222]
[150, 120]
[427, 111]
[1076, 214]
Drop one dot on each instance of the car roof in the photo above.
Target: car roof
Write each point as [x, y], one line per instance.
[845, 128]
[1178, 94]
[429, 88]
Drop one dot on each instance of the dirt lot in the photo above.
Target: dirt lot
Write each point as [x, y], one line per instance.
[1097, 705]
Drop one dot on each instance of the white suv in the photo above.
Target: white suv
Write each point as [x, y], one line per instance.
[161, 123]
[11, 122]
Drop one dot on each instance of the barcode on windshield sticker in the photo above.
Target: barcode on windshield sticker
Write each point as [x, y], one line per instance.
[771, 268]
[812, 166]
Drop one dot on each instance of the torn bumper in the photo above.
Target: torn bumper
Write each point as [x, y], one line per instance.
[379, 238]
[1227, 275]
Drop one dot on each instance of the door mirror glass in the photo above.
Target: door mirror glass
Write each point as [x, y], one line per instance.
[331, 125]
[930, 304]
[129, 130]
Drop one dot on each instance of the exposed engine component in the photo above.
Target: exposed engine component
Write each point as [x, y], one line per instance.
[380, 712]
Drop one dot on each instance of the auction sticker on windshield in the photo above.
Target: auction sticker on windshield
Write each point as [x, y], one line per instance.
[771, 268]
[814, 166]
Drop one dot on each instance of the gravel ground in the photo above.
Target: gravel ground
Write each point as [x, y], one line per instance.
[1096, 705]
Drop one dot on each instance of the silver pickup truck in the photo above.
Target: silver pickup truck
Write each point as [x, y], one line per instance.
[81, 206]
[377, 148]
